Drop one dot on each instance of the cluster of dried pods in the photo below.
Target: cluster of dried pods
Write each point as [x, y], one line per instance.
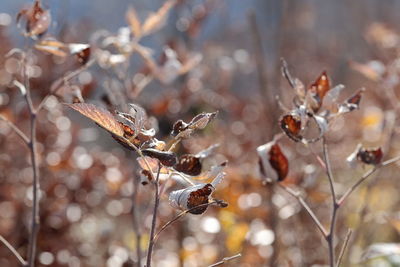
[317, 103]
[130, 130]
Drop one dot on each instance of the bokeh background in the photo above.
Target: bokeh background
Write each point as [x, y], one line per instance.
[88, 180]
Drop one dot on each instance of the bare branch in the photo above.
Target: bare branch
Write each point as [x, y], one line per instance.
[364, 177]
[15, 129]
[314, 218]
[225, 260]
[215, 201]
[154, 220]
[13, 250]
[343, 250]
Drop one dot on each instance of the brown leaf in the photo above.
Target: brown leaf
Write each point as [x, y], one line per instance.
[157, 20]
[100, 116]
[279, 162]
[191, 197]
[167, 158]
[200, 121]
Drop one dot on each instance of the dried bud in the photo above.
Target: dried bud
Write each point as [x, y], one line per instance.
[273, 163]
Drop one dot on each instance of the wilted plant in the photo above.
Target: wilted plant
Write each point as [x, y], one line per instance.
[315, 108]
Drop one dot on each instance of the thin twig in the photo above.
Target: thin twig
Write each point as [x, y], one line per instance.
[314, 218]
[13, 250]
[15, 129]
[215, 201]
[36, 183]
[331, 236]
[135, 222]
[343, 250]
[225, 260]
[154, 220]
[364, 177]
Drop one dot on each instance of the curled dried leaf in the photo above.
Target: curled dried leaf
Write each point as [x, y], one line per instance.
[52, 46]
[273, 163]
[189, 164]
[167, 158]
[181, 129]
[191, 197]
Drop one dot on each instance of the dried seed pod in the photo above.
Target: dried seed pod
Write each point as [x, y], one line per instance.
[82, 52]
[191, 197]
[273, 163]
[371, 156]
[318, 90]
[167, 158]
[38, 20]
[189, 164]
[291, 125]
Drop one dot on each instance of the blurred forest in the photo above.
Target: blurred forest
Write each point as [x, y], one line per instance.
[177, 59]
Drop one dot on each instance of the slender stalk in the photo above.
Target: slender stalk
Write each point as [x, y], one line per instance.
[154, 221]
[15, 129]
[13, 250]
[225, 260]
[314, 218]
[343, 250]
[215, 201]
[335, 206]
[35, 223]
[135, 222]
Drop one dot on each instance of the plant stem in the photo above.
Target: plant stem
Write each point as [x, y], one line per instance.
[154, 221]
[135, 222]
[343, 250]
[225, 260]
[13, 250]
[314, 218]
[335, 206]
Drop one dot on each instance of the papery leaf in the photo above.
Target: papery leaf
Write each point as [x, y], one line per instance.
[181, 129]
[208, 151]
[352, 102]
[157, 20]
[322, 124]
[134, 22]
[273, 163]
[167, 158]
[291, 125]
[153, 164]
[371, 156]
[100, 116]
